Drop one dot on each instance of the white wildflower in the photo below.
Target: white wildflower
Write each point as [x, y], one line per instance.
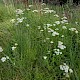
[41, 30]
[57, 29]
[27, 25]
[76, 32]
[43, 4]
[76, 22]
[64, 17]
[64, 27]
[1, 49]
[44, 40]
[3, 59]
[56, 15]
[19, 12]
[60, 45]
[48, 52]
[35, 11]
[49, 11]
[46, 8]
[67, 75]
[39, 27]
[12, 20]
[57, 51]
[54, 24]
[13, 48]
[51, 42]
[50, 30]
[47, 38]
[57, 22]
[15, 44]
[49, 25]
[45, 57]
[20, 20]
[64, 21]
[55, 33]
[66, 69]
[62, 36]
[72, 29]
[70, 70]
[30, 5]
[28, 9]
[7, 57]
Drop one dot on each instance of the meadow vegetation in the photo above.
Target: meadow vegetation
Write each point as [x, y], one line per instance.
[40, 42]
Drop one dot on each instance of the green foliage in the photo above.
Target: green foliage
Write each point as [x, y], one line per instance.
[26, 61]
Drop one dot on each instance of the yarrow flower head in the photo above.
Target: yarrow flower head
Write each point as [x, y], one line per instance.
[20, 20]
[19, 12]
[51, 42]
[1, 50]
[30, 6]
[60, 45]
[13, 48]
[57, 22]
[45, 57]
[56, 15]
[54, 33]
[73, 29]
[64, 27]
[15, 44]
[35, 11]
[3, 59]
[48, 25]
[12, 20]
[66, 69]
[57, 51]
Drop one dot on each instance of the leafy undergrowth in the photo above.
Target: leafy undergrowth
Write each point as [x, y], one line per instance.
[40, 45]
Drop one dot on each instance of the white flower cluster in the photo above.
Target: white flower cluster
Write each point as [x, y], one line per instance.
[64, 20]
[3, 59]
[1, 49]
[12, 20]
[43, 4]
[56, 15]
[64, 27]
[48, 25]
[51, 42]
[35, 11]
[73, 29]
[60, 45]
[30, 6]
[57, 22]
[57, 51]
[14, 47]
[66, 69]
[20, 20]
[19, 12]
[54, 33]
[45, 57]
[49, 11]
[39, 27]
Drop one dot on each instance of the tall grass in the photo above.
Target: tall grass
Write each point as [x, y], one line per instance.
[34, 57]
